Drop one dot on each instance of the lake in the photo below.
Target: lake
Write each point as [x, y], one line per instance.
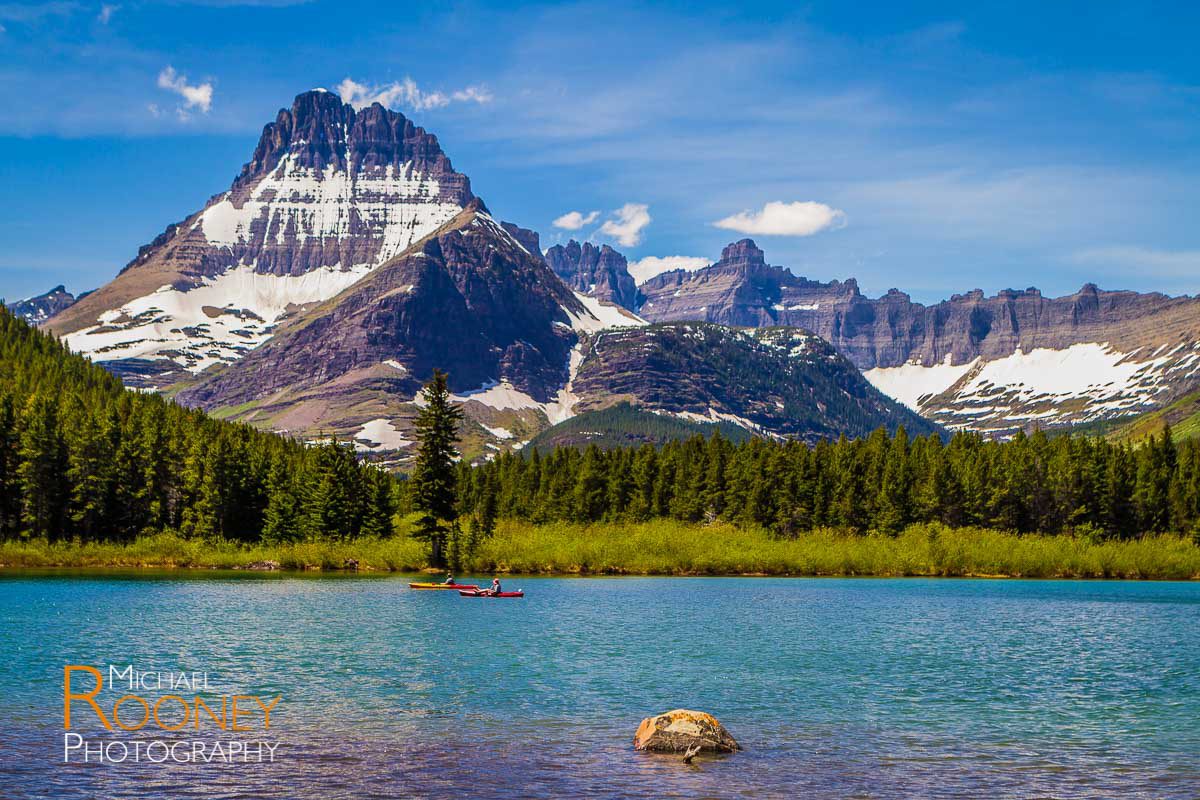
[834, 687]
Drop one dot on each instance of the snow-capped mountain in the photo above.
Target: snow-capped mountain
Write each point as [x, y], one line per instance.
[523, 351]
[329, 194]
[470, 299]
[1017, 360]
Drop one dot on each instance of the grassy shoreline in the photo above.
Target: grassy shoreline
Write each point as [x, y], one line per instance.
[666, 547]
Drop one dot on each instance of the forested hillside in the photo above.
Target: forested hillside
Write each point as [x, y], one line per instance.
[80, 456]
[1081, 485]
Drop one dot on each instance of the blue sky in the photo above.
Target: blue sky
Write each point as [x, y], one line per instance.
[934, 147]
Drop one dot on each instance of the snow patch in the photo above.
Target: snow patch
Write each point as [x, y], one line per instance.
[396, 205]
[378, 435]
[499, 433]
[602, 315]
[220, 320]
[911, 383]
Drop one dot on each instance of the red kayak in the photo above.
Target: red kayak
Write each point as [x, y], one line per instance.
[477, 592]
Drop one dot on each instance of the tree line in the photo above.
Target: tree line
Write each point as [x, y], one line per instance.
[881, 483]
[82, 457]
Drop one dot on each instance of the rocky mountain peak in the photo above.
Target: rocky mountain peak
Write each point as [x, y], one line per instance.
[329, 194]
[320, 132]
[36, 310]
[599, 272]
[742, 253]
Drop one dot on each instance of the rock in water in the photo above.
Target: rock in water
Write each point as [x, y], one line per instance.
[681, 730]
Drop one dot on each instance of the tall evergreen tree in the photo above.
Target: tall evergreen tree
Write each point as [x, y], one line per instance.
[434, 484]
[10, 484]
[42, 473]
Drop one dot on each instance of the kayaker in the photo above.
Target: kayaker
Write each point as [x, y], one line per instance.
[495, 590]
[449, 579]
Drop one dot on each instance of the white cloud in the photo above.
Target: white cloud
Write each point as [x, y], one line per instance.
[574, 220]
[801, 218]
[473, 94]
[106, 12]
[406, 93]
[1143, 259]
[646, 268]
[627, 224]
[194, 97]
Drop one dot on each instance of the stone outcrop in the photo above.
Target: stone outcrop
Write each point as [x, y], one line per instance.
[599, 272]
[681, 731]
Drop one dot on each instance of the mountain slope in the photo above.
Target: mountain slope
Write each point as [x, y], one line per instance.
[771, 381]
[1183, 415]
[1017, 360]
[83, 458]
[625, 425]
[328, 195]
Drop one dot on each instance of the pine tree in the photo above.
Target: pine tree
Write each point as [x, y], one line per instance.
[433, 478]
[590, 487]
[284, 513]
[10, 484]
[42, 471]
[380, 507]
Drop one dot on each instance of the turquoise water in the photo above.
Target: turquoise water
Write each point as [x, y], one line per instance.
[836, 688]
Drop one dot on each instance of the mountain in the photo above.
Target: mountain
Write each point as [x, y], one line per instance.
[348, 260]
[469, 299]
[36, 310]
[599, 272]
[782, 382]
[329, 194]
[523, 352]
[1017, 360]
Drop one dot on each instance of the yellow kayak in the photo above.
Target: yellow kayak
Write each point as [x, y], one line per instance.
[442, 586]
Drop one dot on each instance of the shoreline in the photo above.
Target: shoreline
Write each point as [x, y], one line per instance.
[10, 571]
[660, 548]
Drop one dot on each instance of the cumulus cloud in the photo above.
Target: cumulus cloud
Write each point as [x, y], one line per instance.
[646, 268]
[574, 220]
[106, 13]
[406, 93]
[195, 97]
[801, 218]
[1143, 259]
[627, 223]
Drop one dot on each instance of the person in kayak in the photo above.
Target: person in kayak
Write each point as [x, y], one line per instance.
[495, 590]
[449, 579]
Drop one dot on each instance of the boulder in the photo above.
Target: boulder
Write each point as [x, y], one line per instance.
[681, 730]
[263, 566]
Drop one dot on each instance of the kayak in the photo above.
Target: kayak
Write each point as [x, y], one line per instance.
[477, 592]
[459, 586]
